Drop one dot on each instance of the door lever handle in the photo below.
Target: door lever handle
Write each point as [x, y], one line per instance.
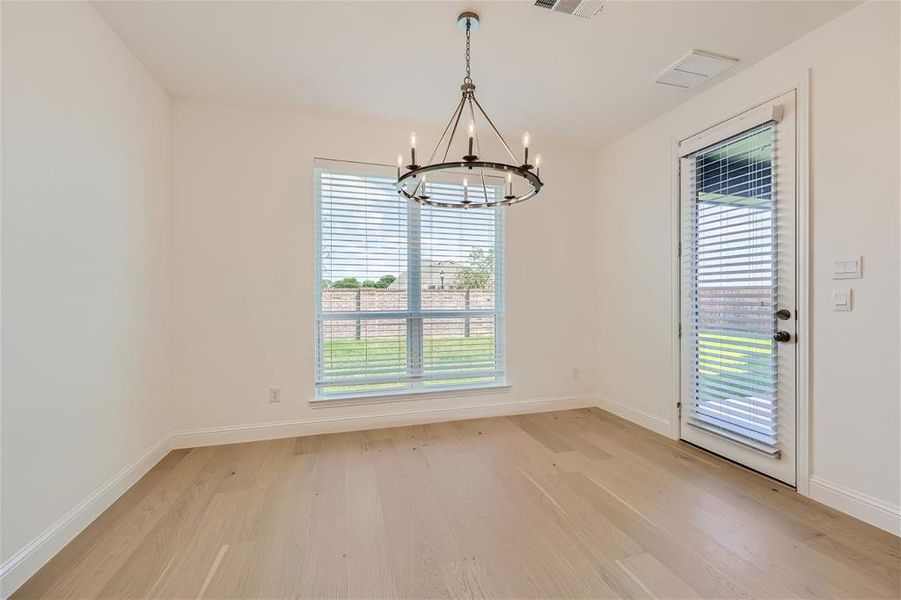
[782, 336]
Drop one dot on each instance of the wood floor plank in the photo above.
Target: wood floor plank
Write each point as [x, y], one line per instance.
[529, 500]
[368, 559]
[415, 564]
[197, 554]
[706, 522]
[471, 511]
[569, 504]
[570, 429]
[654, 578]
[760, 497]
[80, 549]
[712, 575]
[146, 565]
[323, 571]
[92, 574]
[548, 438]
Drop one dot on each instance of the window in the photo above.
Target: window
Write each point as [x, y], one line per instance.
[730, 290]
[409, 298]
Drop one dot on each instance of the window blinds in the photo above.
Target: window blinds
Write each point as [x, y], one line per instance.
[409, 298]
[729, 270]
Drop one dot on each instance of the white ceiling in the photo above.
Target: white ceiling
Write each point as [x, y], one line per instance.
[580, 82]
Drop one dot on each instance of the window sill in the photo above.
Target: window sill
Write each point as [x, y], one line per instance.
[406, 396]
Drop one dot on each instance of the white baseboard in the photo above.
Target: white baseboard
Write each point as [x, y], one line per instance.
[23, 564]
[213, 436]
[861, 506]
[639, 417]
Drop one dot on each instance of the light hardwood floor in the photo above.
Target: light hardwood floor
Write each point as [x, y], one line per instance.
[566, 504]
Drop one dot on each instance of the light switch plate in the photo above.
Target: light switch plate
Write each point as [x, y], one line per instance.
[847, 267]
[841, 300]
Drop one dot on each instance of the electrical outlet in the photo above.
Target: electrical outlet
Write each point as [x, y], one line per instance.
[575, 374]
[275, 394]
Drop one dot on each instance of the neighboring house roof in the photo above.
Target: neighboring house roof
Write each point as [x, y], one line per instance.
[436, 275]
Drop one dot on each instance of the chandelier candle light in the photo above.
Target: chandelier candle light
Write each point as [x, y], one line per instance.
[411, 180]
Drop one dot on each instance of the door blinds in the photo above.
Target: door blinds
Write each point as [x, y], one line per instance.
[410, 298]
[729, 271]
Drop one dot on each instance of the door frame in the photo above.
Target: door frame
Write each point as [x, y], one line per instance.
[801, 86]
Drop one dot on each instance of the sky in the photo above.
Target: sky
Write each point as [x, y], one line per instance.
[364, 227]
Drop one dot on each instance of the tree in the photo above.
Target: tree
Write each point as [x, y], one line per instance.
[477, 273]
[385, 281]
[346, 283]
[326, 284]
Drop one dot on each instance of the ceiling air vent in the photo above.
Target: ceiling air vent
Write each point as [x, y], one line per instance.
[693, 69]
[584, 9]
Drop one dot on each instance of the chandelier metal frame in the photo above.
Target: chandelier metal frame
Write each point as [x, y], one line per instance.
[411, 184]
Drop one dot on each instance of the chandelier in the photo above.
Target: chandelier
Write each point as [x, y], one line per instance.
[486, 183]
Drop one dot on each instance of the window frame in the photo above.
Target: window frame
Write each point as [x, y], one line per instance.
[414, 315]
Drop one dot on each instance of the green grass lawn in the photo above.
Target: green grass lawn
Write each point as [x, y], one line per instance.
[720, 357]
[745, 362]
[387, 356]
[738, 353]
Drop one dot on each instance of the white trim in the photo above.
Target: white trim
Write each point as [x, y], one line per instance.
[639, 417]
[784, 467]
[730, 127]
[675, 431]
[801, 86]
[439, 393]
[232, 434]
[861, 506]
[802, 285]
[36, 553]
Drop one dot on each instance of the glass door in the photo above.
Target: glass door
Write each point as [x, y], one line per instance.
[738, 303]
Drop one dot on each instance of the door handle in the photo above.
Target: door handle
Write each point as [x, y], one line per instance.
[782, 336]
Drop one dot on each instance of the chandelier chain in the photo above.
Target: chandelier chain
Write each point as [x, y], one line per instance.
[468, 78]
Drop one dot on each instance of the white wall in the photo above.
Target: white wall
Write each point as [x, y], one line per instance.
[108, 344]
[243, 197]
[86, 263]
[854, 199]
